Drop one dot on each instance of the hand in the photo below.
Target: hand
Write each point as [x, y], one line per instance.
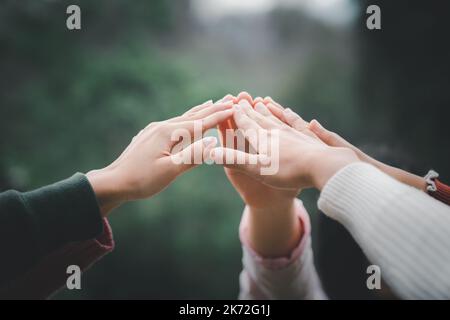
[302, 159]
[334, 140]
[155, 157]
[273, 227]
[254, 193]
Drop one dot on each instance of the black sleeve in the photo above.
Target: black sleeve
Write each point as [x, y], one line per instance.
[33, 224]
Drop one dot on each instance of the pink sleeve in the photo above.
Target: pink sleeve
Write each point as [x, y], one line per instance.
[291, 277]
[49, 275]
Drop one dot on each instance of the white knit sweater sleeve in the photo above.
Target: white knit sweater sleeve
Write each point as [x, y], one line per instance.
[401, 229]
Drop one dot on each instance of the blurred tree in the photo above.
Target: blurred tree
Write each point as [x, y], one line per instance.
[72, 100]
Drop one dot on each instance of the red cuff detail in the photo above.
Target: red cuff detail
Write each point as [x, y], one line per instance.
[49, 275]
[442, 192]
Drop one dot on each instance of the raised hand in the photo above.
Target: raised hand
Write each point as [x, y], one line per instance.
[334, 140]
[273, 228]
[302, 159]
[156, 156]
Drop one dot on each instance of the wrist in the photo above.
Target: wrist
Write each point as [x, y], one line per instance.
[274, 231]
[107, 188]
[274, 207]
[328, 162]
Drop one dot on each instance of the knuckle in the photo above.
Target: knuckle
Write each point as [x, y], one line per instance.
[153, 125]
[334, 137]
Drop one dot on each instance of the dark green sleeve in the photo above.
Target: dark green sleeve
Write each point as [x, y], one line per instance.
[35, 223]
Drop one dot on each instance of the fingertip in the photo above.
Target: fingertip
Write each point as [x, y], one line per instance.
[261, 108]
[244, 95]
[315, 126]
[228, 97]
[245, 104]
[258, 100]
[268, 99]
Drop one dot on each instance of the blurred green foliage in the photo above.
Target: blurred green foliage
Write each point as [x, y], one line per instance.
[71, 101]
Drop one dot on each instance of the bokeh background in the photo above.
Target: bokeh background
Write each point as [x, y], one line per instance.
[72, 100]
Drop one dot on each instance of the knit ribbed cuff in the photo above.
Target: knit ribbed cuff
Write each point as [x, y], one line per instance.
[354, 189]
[401, 229]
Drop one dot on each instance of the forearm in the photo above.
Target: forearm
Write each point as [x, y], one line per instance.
[35, 223]
[288, 277]
[403, 176]
[274, 231]
[402, 230]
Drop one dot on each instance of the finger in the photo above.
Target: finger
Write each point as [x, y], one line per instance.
[222, 128]
[203, 124]
[239, 160]
[268, 100]
[203, 113]
[294, 120]
[227, 124]
[329, 137]
[256, 116]
[277, 112]
[245, 96]
[242, 120]
[199, 107]
[194, 154]
[257, 100]
[248, 129]
[229, 97]
[263, 110]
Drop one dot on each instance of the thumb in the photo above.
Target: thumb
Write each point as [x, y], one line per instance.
[194, 154]
[248, 163]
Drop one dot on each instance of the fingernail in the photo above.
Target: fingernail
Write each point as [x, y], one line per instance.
[227, 103]
[237, 107]
[208, 141]
[318, 124]
[257, 100]
[208, 102]
[288, 110]
[268, 99]
[227, 98]
[245, 104]
[260, 107]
